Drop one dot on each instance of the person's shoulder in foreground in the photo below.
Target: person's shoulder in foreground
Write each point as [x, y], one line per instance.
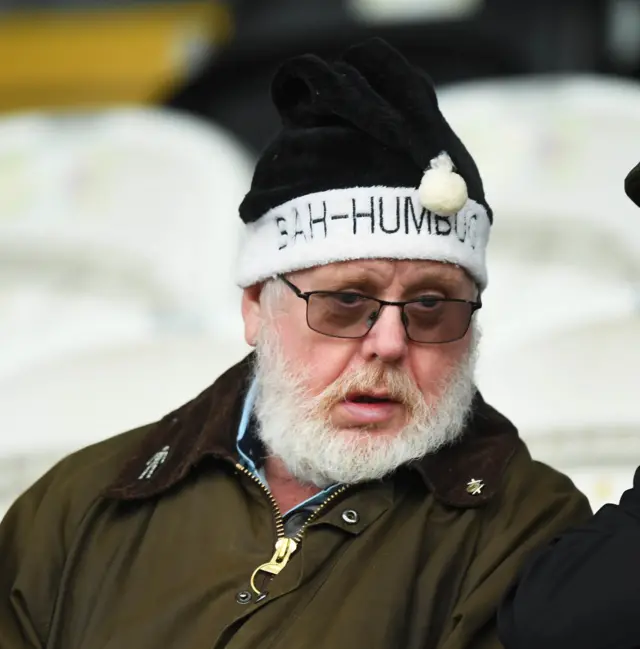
[582, 591]
[346, 485]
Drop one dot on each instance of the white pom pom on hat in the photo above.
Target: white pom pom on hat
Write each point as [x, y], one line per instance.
[442, 190]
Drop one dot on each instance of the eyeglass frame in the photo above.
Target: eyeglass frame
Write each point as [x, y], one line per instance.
[476, 305]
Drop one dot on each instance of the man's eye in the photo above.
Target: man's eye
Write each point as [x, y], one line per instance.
[348, 299]
[428, 302]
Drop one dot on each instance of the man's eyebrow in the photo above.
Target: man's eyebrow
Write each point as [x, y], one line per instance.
[450, 281]
[437, 275]
[435, 278]
[355, 277]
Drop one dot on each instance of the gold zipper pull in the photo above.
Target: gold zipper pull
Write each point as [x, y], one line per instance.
[284, 549]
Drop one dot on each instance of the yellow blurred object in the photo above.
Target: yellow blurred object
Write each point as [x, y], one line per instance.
[95, 58]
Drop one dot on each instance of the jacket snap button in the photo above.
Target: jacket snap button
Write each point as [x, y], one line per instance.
[243, 597]
[350, 516]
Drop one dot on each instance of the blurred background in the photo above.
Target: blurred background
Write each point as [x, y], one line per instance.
[128, 132]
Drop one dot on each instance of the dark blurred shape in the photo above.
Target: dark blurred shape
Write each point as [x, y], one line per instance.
[504, 38]
[233, 87]
[632, 184]
[623, 38]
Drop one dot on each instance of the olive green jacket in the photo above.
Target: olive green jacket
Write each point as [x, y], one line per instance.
[149, 541]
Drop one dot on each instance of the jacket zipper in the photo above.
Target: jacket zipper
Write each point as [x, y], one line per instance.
[284, 546]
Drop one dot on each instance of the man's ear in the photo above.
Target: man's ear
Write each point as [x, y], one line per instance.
[252, 313]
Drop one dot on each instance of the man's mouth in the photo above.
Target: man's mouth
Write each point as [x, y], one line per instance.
[371, 408]
[369, 398]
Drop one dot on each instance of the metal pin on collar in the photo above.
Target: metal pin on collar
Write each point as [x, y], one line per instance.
[156, 460]
[475, 487]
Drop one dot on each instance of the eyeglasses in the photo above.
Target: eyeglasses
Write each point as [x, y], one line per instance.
[344, 314]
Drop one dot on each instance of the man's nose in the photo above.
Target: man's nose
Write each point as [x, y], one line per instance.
[387, 339]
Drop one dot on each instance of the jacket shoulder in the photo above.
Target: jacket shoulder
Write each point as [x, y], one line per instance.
[535, 503]
[525, 470]
[83, 475]
[531, 486]
[526, 479]
[63, 494]
[548, 478]
[38, 532]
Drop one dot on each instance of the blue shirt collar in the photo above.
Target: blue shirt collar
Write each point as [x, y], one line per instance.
[243, 428]
[243, 446]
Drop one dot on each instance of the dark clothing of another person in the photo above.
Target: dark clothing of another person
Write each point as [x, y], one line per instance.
[583, 591]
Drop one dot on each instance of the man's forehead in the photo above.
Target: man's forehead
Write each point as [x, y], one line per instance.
[385, 270]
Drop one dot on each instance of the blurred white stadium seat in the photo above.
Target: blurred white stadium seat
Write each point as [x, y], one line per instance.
[553, 153]
[86, 397]
[574, 396]
[115, 226]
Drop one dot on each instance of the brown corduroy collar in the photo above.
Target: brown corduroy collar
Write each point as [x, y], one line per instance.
[208, 426]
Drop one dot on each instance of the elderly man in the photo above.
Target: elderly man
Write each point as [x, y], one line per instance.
[346, 486]
[583, 590]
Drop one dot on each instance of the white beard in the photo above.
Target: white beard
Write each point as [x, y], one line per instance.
[295, 426]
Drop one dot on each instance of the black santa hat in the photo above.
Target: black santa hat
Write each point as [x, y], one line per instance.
[364, 166]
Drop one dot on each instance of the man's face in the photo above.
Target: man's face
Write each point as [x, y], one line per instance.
[364, 392]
